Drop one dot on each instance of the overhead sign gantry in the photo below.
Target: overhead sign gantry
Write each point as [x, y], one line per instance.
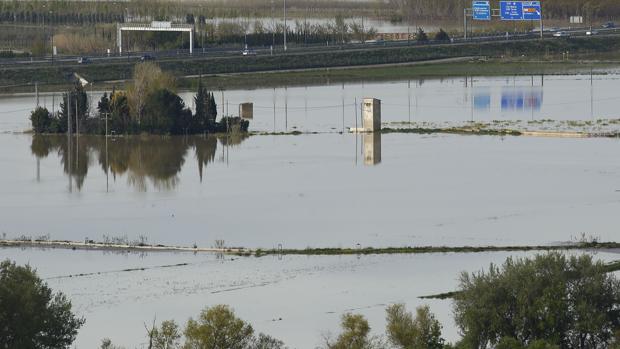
[508, 11]
[155, 26]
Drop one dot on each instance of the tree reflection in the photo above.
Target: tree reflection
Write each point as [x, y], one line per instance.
[157, 160]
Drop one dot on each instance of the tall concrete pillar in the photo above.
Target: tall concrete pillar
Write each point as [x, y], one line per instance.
[371, 114]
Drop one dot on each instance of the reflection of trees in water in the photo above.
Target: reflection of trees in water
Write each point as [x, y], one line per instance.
[142, 159]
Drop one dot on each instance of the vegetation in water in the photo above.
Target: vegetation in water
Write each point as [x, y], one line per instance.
[149, 105]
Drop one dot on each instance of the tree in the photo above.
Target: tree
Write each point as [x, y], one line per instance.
[165, 112]
[218, 328]
[423, 332]
[201, 100]
[264, 341]
[120, 120]
[421, 36]
[79, 105]
[103, 106]
[442, 35]
[211, 111]
[206, 109]
[106, 343]
[167, 336]
[568, 302]
[41, 120]
[355, 334]
[147, 78]
[31, 315]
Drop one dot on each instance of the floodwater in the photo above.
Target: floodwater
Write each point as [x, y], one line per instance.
[311, 190]
[297, 299]
[336, 107]
[319, 190]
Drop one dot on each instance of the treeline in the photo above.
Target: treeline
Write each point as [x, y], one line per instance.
[42, 17]
[92, 12]
[552, 9]
[149, 105]
[260, 33]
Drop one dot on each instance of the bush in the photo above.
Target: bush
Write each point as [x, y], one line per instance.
[442, 35]
[421, 35]
[41, 120]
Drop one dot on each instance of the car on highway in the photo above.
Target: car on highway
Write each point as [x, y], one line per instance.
[147, 57]
[83, 60]
[591, 32]
[247, 52]
[561, 34]
[609, 25]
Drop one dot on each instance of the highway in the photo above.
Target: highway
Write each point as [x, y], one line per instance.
[231, 51]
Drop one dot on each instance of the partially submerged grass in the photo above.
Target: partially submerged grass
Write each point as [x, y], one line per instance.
[435, 249]
[241, 251]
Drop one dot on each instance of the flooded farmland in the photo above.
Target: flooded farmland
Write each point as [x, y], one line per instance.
[331, 108]
[329, 189]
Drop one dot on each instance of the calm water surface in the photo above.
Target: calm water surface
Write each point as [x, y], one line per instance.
[311, 190]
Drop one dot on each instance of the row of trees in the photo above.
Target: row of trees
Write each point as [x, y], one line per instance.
[48, 17]
[149, 105]
[71, 12]
[68, 12]
[549, 301]
[552, 9]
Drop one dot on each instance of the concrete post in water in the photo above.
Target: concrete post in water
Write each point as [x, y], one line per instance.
[246, 110]
[371, 114]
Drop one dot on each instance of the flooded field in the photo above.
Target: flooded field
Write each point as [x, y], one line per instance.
[311, 190]
[295, 298]
[333, 107]
[329, 189]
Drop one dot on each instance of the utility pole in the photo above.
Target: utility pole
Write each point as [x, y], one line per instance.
[274, 28]
[36, 89]
[68, 107]
[541, 21]
[77, 125]
[107, 163]
[465, 23]
[285, 25]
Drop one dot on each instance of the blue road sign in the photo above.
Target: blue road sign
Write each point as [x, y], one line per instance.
[481, 10]
[532, 11]
[511, 10]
